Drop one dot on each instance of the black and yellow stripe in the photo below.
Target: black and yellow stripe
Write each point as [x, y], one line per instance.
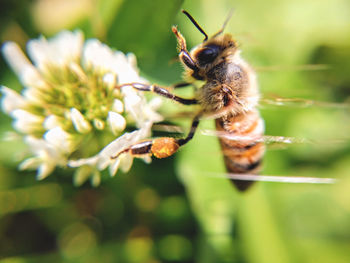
[242, 156]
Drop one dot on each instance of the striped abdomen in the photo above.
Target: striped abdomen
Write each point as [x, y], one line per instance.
[241, 143]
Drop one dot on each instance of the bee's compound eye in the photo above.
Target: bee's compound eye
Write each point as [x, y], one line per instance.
[208, 54]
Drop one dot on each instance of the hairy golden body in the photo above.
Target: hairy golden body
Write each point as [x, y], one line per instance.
[230, 95]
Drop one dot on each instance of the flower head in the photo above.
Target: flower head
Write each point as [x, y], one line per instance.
[70, 112]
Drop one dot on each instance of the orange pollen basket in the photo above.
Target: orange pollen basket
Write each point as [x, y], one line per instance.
[164, 147]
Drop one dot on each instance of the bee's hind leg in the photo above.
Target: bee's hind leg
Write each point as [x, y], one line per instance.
[162, 147]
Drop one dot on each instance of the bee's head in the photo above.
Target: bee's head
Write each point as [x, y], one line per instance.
[214, 49]
[207, 54]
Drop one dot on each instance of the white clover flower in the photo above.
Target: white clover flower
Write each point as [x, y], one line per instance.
[70, 112]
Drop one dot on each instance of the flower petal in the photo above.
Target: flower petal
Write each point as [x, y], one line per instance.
[30, 163]
[11, 100]
[27, 122]
[60, 50]
[20, 64]
[52, 121]
[110, 80]
[59, 139]
[113, 168]
[119, 144]
[96, 178]
[118, 106]
[82, 174]
[92, 161]
[79, 121]
[45, 170]
[116, 122]
[125, 162]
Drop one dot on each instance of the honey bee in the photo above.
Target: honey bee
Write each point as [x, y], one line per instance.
[230, 95]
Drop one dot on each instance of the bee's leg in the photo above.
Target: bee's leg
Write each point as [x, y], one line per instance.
[184, 55]
[180, 85]
[160, 147]
[161, 91]
[193, 129]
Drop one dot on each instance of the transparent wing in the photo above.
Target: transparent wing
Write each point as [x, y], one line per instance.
[276, 178]
[275, 100]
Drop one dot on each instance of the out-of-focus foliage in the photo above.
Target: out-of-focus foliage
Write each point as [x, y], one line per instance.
[180, 209]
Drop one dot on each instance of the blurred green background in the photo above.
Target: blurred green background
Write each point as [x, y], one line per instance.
[180, 209]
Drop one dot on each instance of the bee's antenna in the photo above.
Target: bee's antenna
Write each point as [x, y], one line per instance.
[196, 24]
[225, 23]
